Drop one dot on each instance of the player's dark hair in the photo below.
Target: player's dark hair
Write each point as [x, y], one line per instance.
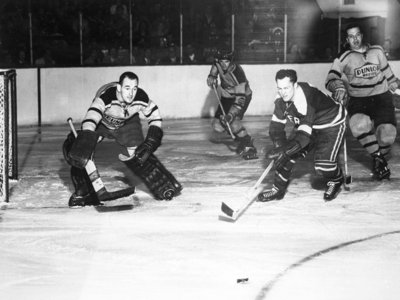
[129, 75]
[286, 73]
[353, 25]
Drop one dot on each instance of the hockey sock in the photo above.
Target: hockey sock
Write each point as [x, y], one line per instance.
[369, 142]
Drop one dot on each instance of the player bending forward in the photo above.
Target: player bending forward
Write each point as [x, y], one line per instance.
[235, 99]
[319, 123]
[114, 114]
[370, 107]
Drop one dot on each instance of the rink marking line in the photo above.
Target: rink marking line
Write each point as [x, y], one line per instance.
[268, 287]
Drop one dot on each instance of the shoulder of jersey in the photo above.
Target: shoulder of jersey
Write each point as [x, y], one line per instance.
[141, 95]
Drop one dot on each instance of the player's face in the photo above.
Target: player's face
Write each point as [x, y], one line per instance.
[285, 88]
[128, 89]
[224, 64]
[354, 38]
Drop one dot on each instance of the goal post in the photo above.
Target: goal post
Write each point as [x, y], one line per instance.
[8, 131]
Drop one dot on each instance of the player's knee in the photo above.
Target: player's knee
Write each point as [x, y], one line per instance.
[359, 124]
[216, 125]
[66, 147]
[237, 128]
[386, 134]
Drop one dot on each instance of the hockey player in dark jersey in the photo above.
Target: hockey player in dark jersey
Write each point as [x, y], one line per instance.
[114, 114]
[235, 99]
[319, 123]
[362, 72]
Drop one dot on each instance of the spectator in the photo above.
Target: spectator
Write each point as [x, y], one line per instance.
[191, 55]
[387, 47]
[295, 55]
[120, 10]
[148, 58]
[110, 57]
[172, 57]
[21, 59]
[94, 57]
[328, 54]
[46, 59]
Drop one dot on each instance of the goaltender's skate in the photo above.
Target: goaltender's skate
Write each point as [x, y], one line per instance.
[85, 200]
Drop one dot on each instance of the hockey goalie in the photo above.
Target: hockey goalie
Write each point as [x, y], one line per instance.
[114, 114]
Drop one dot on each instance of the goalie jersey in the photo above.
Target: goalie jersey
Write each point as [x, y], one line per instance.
[109, 109]
[368, 73]
[310, 109]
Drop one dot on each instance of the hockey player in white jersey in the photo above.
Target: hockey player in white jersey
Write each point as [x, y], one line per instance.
[114, 114]
[361, 78]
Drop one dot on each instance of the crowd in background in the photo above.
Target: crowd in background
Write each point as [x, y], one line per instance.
[140, 32]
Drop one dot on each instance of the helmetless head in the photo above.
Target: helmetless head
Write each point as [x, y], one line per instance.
[128, 86]
[286, 82]
[354, 37]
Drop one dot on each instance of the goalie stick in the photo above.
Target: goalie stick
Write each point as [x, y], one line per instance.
[234, 214]
[223, 112]
[97, 182]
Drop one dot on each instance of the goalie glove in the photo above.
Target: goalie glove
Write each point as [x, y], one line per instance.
[283, 154]
[82, 148]
[150, 144]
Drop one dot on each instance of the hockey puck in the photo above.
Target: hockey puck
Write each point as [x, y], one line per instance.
[242, 280]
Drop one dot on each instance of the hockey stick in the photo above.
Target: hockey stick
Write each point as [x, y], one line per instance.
[97, 182]
[223, 112]
[234, 214]
[347, 177]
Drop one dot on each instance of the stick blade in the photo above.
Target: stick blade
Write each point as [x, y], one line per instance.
[110, 196]
[227, 210]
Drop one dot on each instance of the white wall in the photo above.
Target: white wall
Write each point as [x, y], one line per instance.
[179, 91]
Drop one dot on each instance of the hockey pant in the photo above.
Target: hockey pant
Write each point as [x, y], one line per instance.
[328, 143]
[161, 183]
[282, 175]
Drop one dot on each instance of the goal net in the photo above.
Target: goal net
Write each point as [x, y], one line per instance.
[8, 131]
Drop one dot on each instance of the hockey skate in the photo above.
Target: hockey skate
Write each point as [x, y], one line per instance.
[85, 200]
[380, 167]
[272, 194]
[246, 148]
[332, 190]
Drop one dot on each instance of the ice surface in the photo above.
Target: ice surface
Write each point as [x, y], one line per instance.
[298, 248]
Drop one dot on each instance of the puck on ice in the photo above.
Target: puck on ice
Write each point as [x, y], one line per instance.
[242, 280]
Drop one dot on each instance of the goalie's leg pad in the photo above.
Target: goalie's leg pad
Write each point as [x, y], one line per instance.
[162, 184]
[84, 193]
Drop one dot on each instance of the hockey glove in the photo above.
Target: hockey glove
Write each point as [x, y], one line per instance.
[283, 154]
[226, 119]
[340, 96]
[82, 149]
[150, 144]
[212, 81]
[394, 85]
